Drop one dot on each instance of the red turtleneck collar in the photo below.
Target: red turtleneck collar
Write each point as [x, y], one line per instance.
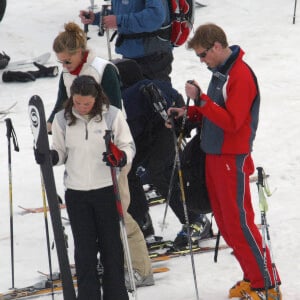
[78, 69]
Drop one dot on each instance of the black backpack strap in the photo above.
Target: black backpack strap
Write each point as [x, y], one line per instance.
[163, 33]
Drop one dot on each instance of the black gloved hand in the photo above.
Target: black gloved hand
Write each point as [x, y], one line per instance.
[40, 157]
[188, 127]
[116, 157]
[44, 71]
[4, 60]
[11, 76]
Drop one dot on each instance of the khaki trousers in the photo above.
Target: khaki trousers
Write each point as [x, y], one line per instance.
[136, 241]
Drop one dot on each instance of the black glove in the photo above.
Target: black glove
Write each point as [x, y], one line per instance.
[188, 127]
[10, 76]
[40, 157]
[4, 60]
[44, 71]
[116, 157]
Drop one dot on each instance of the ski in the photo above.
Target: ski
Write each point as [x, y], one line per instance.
[62, 206]
[7, 109]
[174, 253]
[198, 4]
[4, 237]
[168, 244]
[42, 59]
[152, 202]
[41, 143]
[159, 259]
[3, 116]
[35, 210]
[41, 288]
[57, 276]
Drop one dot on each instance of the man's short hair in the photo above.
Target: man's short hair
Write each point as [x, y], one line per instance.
[206, 35]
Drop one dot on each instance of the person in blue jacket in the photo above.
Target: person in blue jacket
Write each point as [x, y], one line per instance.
[137, 24]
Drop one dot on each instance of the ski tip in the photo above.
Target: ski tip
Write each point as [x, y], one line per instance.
[43, 58]
[160, 270]
[160, 258]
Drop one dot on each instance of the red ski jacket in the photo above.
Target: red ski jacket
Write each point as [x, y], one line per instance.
[231, 110]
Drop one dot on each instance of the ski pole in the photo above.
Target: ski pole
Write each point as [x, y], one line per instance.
[294, 16]
[184, 203]
[87, 16]
[10, 133]
[47, 235]
[263, 190]
[180, 139]
[105, 13]
[163, 224]
[107, 138]
[92, 7]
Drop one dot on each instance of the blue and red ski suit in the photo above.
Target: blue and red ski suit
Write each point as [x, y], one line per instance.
[229, 122]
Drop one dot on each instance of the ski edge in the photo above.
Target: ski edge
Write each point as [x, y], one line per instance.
[41, 59]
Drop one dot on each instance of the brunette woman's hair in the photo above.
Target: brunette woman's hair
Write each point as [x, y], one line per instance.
[86, 85]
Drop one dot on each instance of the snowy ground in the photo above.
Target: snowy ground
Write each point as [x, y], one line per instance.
[265, 31]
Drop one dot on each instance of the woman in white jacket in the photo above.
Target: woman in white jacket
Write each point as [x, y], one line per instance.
[78, 133]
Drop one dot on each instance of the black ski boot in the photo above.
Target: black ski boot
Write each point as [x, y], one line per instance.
[198, 230]
[147, 226]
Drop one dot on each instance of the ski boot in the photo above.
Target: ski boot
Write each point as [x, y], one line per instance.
[239, 289]
[198, 230]
[139, 280]
[261, 295]
[147, 226]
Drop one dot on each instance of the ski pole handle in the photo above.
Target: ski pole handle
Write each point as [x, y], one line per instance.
[107, 138]
[260, 177]
[10, 133]
[86, 26]
[9, 127]
[197, 100]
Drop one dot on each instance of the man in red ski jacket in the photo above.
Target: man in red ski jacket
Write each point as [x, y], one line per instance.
[229, 114]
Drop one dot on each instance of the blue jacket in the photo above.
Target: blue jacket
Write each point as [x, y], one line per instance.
[138, 16]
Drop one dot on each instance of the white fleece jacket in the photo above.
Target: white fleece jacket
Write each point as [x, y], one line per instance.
[81, 145]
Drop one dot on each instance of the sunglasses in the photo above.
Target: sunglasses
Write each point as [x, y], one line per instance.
[204, 53]
[64, 62]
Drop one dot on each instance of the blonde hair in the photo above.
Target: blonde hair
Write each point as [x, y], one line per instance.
[206, 35]
[70, 40]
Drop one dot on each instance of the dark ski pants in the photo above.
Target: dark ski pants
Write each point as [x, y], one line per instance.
[158, 160]
[95, 227]
[159, 165]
